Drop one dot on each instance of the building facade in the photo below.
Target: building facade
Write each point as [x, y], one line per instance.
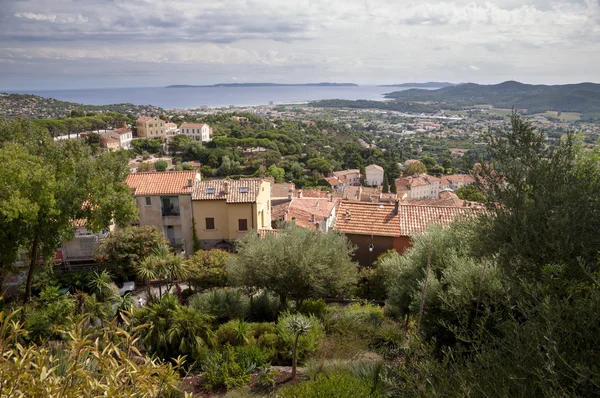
[226, 210]
[196, 131]
[374, 175]
[422, 186]
[123, 135]
[150, 127]
[164, 200]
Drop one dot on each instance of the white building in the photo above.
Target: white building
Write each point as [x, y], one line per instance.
[171, 129]
[124, 136]
[422, 186]
[374, 175]
[197, 131]
[456, 181]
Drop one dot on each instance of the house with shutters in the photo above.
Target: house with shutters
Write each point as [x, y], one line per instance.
[164, 200]
[150, 127]
[374, 175]
[226, 210]
[196, 131]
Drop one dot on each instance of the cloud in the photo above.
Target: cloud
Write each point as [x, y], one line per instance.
[371, 41]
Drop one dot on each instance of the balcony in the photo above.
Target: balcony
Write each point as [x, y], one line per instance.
[172, 211]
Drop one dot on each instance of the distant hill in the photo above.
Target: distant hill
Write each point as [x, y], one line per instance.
[325, 84]
[35, 107]
[421, 85]
[582, 97]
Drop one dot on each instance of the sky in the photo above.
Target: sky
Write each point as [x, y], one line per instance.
[67, 44]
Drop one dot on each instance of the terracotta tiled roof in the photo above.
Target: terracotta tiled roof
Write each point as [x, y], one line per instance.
[104, 139]
[282, 190]
[416, 181]
[120, 131]
[144, 119]
[351, 193]
[161, 183]
[414, 219]
[379, 219]
[320, 207]
[333, 181]
[346, 172]
[367, 218]
[80, 222]
[192, 125]
[446, 198]
[460, 178]
[244, 190]
[317, 193]
[279, 210]
[374, 166]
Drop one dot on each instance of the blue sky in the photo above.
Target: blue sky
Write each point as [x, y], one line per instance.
[53, 44]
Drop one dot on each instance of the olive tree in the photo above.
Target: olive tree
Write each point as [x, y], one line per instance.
[295, 263]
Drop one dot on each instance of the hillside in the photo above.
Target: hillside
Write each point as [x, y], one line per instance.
[420, 85]
[252, 85]
[583, 97]
[36, 107]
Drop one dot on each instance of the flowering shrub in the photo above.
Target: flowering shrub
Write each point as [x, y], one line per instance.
[208, 268]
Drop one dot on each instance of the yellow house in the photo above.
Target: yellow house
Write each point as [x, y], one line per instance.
[226, 210]
[150, 127]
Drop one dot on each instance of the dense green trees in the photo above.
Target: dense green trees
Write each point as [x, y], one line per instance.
[296, 263]
[415, 168]
[74, 186]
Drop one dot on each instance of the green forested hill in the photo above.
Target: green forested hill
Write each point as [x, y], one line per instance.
[583, 97]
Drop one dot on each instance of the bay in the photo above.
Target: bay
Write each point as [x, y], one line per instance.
[195, 97]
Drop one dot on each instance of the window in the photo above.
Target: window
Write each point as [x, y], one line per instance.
[244, 190]
[210, 223]
[87, 244]
[210, 191]
[242, 224]
[148, 201]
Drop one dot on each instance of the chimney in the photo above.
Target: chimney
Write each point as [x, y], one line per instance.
[299, 193]
[314, 218]
[124, 124]
[190, 182]
[290, 193]
[331, 197]
[226, 187]
[396, 207]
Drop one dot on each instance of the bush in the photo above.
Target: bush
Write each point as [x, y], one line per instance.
[48, 314]
[339, 385]
[312, 307]
[371, 283]
[264, 307]
[252, 357]
[223, 304]
[221, 369]
[235, 332]
[307, 343]
[388, 341]
[208, 268]
[161, 165]
[356, 319]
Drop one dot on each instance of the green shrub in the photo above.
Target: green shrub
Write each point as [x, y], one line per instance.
[235, 332]
[207, 269]
[264, 307]
[356, 319]
[47, 314]
[388, 341]
[260, 328]
[251, 357]
[161, 165]
[371, 283]
[221, 369]
[312, 307]
[339, 385]
[307, 343]
[223, 304]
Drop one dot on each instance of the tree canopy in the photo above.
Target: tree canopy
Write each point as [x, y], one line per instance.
[296, 263]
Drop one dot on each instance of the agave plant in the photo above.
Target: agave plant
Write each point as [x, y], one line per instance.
[299, 325]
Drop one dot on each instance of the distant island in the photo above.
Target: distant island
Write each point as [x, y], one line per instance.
[421, 85]
[582, 97]
[248, 85]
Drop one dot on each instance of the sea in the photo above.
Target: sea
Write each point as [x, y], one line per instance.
[196, 97]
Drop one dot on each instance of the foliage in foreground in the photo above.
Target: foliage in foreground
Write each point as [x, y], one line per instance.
[105, 363]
